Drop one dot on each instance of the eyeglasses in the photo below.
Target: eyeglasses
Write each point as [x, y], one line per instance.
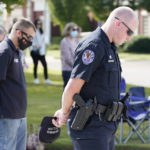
[30, 38]
[129, 32]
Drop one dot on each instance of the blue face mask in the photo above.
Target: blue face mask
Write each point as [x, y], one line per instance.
[73, 34]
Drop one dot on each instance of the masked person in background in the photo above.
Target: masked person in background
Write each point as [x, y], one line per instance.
[13, 95]
[68, 46]
[38, 52]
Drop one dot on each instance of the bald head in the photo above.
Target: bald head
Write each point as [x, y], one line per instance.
[120, 25]
[126, 14]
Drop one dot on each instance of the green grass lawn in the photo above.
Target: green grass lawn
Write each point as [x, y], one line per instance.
[44, 100]
[54, 53]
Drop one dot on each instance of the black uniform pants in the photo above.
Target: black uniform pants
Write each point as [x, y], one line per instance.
[96, 135]
[94, 144]
[36, 58]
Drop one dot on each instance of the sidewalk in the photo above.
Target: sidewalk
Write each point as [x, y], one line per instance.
[134, 72]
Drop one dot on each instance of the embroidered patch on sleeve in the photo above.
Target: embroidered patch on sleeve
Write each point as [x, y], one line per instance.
[88, 56]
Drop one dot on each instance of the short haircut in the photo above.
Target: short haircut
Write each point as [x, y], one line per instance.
[22, 24]
[68, 27]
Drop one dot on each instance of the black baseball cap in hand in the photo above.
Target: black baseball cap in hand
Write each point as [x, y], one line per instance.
[48, 132]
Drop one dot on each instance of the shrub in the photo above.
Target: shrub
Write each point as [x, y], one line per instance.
[55, 43]
[138, 44]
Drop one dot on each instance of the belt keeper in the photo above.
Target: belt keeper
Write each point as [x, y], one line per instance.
[100, 109]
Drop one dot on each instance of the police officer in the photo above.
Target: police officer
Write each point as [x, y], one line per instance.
[97, 73]
[13, 97]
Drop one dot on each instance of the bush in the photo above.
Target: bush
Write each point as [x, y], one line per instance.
[55, 43]
[138, 44]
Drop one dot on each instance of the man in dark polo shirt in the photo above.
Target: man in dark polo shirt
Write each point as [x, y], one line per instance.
[96, 74]
[13, 96]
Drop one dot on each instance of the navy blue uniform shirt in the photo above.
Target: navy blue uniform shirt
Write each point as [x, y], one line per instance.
[13, 97]
[97, 62]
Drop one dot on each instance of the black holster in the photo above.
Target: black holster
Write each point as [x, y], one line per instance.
[85, 110]
[112, 112]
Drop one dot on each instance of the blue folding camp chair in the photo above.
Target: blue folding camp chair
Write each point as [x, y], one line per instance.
[137, 117]
[138, 112]
[123, 85]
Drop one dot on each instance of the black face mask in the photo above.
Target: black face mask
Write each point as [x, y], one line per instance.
[22, 45]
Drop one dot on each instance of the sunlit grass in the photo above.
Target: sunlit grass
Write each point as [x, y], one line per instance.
[54, 53]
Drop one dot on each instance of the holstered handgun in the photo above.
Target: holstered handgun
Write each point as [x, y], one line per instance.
[83, 113]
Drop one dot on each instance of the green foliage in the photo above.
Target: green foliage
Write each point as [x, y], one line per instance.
[139, 44]
[64, 11]
[55, 43]
[144, 4]
[9, 3]
[101, 8]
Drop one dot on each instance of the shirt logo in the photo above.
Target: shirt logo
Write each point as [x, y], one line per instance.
[110, 59]
[16, 60]
[88, 57]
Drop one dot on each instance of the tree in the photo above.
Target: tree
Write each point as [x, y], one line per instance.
[145, 4]
[9, 3]
[64, 11]
[102, 8]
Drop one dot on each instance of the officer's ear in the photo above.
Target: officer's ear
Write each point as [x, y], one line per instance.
[117, 22]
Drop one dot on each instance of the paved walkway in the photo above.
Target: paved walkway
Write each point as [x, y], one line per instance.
[134, 72]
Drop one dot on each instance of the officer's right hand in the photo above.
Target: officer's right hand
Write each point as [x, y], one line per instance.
[61, 118]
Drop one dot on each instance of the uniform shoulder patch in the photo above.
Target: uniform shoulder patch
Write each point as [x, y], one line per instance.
[88, 56]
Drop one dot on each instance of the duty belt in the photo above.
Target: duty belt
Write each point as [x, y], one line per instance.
[111, 112]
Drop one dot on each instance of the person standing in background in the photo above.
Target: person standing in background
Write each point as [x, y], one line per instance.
[93, 23]
[68, 46]
[38, 52]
